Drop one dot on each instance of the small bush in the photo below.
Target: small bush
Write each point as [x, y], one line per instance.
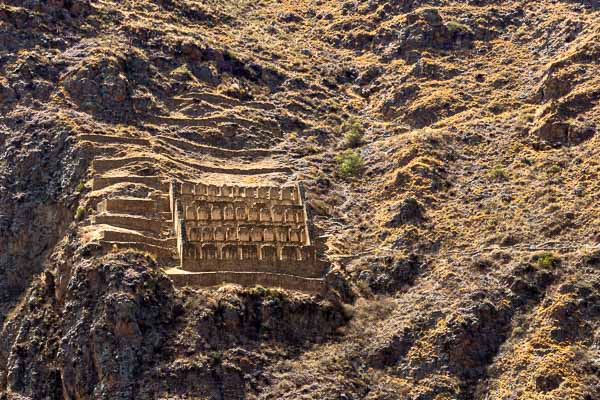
[267, 293]
[182, 73]
[546, 261]
[237, 91]
[518, 331]
[498, 174]
[80, 187]
[215, 357]
[79, 213]
[454, 26]
[311, 148]
[319, 207]
[554, 169]
[354, 133]
[364, 288]
[350, 163]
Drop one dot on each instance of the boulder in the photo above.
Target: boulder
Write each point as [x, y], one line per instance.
[407, 212]
[557, 132]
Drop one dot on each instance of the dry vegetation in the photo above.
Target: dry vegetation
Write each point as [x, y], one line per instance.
[450, 150]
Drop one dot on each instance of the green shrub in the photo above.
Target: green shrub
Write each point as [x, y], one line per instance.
[354, 133]
[80, 187]
[350, 163]
[215, 357]
[364, 288]
[498, 174]
[257, 290]
[267, 293]
[518, 331]
[182, 73]
[79, 213]
[546, 261]
[554, 169]
[454, 26]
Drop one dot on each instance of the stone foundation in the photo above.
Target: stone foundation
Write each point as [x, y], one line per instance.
[249, 279]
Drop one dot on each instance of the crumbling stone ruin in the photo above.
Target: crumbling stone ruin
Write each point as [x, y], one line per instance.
[209, 234]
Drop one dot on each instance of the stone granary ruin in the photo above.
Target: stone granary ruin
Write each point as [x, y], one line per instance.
[207, 234]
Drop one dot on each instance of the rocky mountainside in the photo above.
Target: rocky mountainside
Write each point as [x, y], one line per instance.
[450, 152]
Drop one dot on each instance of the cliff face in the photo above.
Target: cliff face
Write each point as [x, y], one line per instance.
[462, 227]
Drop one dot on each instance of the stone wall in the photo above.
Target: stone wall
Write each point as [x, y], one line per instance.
[239, 228]
[119, 236]
[218, 151]
[199, 231]
[287, 195]
[127, 205]
[219, 212]
[128, 221]
[155, 182]
[102, 165]
[113, 139]
[250, 279]
[164, 254]
[237, 256]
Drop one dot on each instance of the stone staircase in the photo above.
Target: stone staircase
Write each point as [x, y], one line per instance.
[137, 223]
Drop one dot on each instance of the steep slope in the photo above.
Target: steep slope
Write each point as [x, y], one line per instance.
[463, 256]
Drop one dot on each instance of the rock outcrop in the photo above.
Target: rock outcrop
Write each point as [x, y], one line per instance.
[459, 231]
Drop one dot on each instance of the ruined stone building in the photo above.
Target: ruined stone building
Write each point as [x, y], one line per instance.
[206, 234]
